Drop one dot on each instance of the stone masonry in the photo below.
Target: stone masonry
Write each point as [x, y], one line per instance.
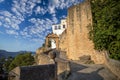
[39, 72]
[75, 41]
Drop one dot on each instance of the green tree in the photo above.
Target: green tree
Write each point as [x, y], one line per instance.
[22, 60]
[106, 26]
[7, 62]
[2, 59]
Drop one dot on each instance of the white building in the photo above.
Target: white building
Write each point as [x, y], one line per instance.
[59, 28]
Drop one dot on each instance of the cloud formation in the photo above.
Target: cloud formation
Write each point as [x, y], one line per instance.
[23, 10]
[13, 32]
[9, 21]
[39, 29]
[60, 4]
[24, 7]
[1, 1]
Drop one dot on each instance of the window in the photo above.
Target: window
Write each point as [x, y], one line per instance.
[55, 27]
[63, 26]
[59, 27]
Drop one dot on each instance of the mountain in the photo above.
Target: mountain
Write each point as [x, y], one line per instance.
[4, 53]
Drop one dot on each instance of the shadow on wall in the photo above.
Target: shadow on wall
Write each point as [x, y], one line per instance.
[74, 74]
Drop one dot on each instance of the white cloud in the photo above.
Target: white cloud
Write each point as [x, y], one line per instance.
[8, 20]
[0, 24]
[6, 13]
[40, 10]
[40, 25]
[53, 4]
[63, 17]
[55, 20]
[13, 32]
[24, 7]
[51, 9]
[60, 4]
[1, 1]
[38, 30]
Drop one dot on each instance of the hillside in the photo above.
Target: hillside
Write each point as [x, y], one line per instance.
[4, 53]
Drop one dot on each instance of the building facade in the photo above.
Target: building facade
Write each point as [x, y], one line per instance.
[59, 28]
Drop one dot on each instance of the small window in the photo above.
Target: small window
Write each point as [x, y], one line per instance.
[59, 27]
[63, 26]
[55, 27]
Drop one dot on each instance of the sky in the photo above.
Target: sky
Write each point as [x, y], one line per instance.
[24, 24]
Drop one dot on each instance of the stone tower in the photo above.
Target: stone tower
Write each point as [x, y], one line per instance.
[77, 40]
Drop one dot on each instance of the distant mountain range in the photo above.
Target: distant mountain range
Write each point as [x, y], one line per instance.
[4, 53]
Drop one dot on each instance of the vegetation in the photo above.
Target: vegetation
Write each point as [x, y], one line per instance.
[106, 26]
[5, 62]
[22, 60]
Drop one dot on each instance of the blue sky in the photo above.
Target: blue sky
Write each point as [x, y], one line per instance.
[25, 23]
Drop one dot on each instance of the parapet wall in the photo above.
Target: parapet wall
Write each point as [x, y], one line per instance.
[40, 72]
[103, 58]
[113, 65]
[42, 59]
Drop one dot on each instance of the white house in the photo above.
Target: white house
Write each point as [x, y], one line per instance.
[59, 28]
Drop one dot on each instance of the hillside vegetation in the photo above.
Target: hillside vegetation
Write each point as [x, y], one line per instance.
[22, 59]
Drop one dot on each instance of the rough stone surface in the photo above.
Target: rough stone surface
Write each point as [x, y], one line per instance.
[63, 55]
[42, 59]
[14, 74]
[85, 57]
[75, 39]
[41, 72]
[62, 65]
[113, 65]
[78, 43]
[89, 72]
[40, 50]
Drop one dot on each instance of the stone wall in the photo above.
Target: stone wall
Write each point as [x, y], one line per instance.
[14, 74]
[40, 72]
[113, 65]
[62, 66]
[63, 41]
[42, 59]
[75, 41]
[78, 19]
[63, 69]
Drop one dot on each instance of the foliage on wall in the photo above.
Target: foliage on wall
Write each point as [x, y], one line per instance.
[106, 26]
